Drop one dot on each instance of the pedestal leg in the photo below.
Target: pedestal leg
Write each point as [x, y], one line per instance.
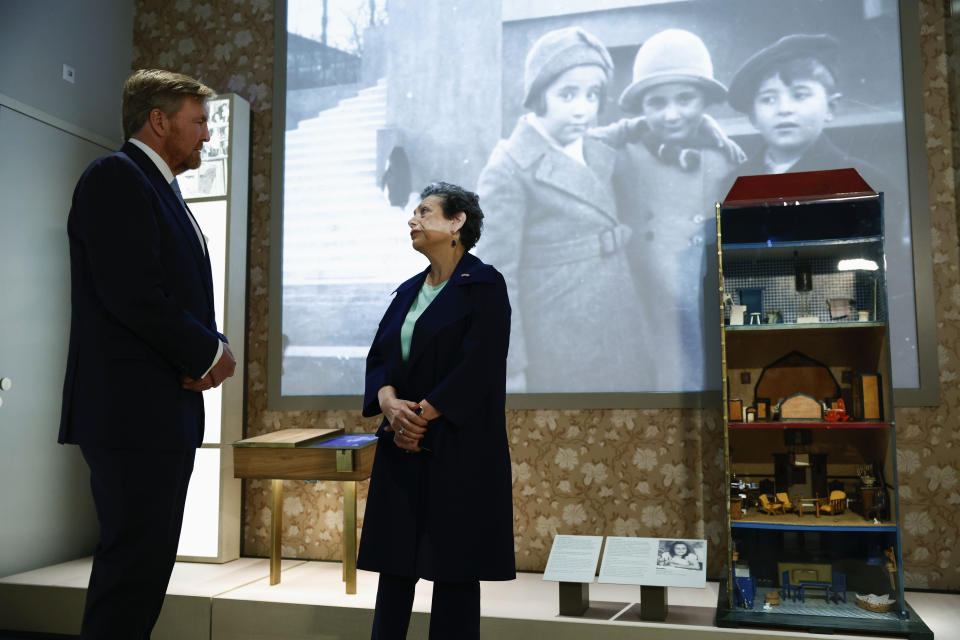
[276, 525]
[653, 603]
[574, 598]
[350, 535]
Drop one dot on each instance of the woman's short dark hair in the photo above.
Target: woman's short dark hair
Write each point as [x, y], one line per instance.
[673, 547]
[453, 200]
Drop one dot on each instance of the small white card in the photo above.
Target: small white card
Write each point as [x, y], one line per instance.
[661, 562]
[573, 558]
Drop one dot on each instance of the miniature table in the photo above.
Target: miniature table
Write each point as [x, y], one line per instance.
[309, 454]
[804, 584]
[812, 503]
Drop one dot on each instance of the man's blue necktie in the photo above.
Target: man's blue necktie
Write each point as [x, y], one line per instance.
[176, 190]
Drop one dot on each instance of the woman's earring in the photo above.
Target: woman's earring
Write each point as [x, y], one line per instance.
[453, 242]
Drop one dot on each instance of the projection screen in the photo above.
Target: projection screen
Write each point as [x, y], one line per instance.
[611, 266]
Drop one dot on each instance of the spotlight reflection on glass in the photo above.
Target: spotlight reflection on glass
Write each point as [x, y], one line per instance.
[857, 264]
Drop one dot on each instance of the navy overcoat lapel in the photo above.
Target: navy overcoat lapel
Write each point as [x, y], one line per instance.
[172, 202]
[406, 293]
[450, 305]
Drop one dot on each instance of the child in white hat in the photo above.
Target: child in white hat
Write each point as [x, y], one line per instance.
[552, 229]
[674, 163]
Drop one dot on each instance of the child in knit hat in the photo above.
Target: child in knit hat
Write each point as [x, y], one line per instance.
[673, 164]
[552, 229]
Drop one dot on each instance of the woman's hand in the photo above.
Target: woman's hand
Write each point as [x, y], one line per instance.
[404, 417]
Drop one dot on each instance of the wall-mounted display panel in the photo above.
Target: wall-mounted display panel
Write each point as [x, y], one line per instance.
[217, 194]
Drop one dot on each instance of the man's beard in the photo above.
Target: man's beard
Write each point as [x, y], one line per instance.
[193, 160]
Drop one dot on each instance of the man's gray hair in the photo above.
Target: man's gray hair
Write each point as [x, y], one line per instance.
[149, 89]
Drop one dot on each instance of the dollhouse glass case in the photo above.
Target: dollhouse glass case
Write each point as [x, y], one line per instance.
[813, 517]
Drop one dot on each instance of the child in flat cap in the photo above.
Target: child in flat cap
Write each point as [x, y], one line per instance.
[553, 232]
[789, 92]
[673, 164]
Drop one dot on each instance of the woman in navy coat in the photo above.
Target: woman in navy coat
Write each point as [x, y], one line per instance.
[440, 504]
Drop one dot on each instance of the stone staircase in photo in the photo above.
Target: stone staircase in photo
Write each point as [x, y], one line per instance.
[338, 226]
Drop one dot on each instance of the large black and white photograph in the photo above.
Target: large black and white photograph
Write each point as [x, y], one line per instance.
[599, 136]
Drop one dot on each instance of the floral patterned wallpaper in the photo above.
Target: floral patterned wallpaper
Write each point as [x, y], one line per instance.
[952, 30]
[618, 472]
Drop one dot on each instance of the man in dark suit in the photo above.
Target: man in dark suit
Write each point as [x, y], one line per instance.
[143, 345]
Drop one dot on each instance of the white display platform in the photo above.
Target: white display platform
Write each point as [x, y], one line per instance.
[234, 601]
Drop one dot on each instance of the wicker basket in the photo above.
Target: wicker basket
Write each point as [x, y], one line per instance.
[876, 608]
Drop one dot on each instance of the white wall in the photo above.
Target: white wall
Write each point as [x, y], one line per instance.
[50, 130]
[95, 37]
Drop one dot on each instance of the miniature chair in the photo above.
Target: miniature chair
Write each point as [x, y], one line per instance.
[744, 591]
[784, 499]
[788, 590]
[838, 589]
[836, 504]
[772, 508]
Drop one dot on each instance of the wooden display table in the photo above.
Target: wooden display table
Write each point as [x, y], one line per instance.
[309, 454]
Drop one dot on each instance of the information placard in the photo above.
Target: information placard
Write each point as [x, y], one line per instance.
[573, 558]
[664, 562]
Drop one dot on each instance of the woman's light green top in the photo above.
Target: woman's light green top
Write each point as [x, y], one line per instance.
[424, 298]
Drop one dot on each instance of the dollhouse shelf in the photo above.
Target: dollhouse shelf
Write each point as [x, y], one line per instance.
[840, 325]
[855, 345]
[817, 526]
[809, 425]
[835, 249]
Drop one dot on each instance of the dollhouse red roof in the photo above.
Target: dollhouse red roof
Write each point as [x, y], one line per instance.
[806, 186]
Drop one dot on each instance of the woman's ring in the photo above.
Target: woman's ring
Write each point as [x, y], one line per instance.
[400, 431]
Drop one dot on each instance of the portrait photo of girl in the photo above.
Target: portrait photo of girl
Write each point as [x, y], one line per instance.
[679, 554]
